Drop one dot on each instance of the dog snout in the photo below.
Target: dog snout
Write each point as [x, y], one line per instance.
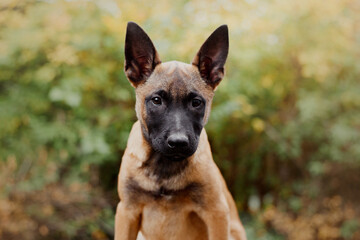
[178, 141]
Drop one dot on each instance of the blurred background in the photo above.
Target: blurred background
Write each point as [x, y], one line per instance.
[284, 129]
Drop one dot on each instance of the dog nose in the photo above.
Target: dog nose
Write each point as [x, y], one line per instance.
[178, 140]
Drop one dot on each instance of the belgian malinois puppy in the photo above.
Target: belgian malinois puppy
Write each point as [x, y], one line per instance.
[169, 185]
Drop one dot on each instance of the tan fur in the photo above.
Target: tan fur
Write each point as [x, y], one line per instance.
[208, 214]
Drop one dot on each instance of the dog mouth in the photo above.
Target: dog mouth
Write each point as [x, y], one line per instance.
[176, 157]
[172, 155]
[175, 154]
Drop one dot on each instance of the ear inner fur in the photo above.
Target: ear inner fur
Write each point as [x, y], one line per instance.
[141, 56]
[212, 55]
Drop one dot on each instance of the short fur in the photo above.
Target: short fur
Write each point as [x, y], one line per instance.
[169, 185]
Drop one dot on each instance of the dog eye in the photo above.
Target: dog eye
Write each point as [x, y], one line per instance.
[196, 102]
[156, 100]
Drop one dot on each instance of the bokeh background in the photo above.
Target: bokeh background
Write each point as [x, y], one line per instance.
[284, 129]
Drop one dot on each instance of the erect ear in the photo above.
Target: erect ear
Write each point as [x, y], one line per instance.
[212, 56]
[140, 54]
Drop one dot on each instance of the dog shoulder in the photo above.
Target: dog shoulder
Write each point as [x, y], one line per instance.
[137, 151]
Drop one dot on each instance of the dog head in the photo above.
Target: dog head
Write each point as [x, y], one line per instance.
[173, 99]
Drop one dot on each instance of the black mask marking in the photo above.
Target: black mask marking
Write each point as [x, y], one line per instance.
[164, 168]
[174, 122]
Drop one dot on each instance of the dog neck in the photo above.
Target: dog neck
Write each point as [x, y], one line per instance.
[162, 169]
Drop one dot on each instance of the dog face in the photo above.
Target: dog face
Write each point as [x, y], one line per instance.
[173, 105]
[173, 99]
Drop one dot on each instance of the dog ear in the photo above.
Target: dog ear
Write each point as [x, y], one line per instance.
[212, 55]
[140, 55]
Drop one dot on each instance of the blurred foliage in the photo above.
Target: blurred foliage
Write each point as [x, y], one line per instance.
[332, 220]
[284, 128]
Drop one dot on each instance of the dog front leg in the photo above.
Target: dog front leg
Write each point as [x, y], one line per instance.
[127, 221]
[217, 223]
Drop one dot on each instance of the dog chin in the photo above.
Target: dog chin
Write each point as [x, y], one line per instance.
[171, 154]
[178, 156]
[174, 156]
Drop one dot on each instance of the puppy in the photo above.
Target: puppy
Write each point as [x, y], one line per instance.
[169, 186]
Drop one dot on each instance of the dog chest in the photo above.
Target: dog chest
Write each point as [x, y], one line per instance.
[159, 222]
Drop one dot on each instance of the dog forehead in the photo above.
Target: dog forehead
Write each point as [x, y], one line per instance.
[177, 78]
